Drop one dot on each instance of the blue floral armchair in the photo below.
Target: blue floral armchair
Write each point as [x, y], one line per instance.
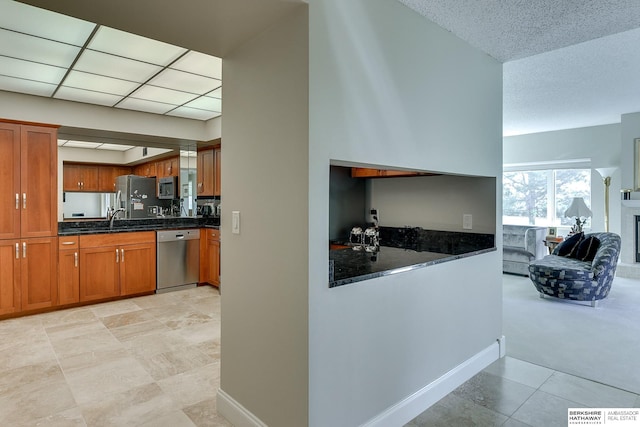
[570, 278]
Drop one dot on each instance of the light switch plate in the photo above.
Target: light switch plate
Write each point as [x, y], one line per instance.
[235, 222]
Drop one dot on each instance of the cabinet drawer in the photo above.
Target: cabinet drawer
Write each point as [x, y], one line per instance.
[213, 234]
[98, 240]
[68, 242]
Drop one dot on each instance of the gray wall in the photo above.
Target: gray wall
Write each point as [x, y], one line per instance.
[347, 197]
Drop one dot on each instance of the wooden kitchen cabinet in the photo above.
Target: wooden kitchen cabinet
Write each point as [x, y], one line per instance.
[382, 173]
[146, 169]
[38, 273]
[28, 181]
[217, 161]
[118, 264]
[9, 276]
[168, 167]
[107, 177]
[205, 171]
[68, 270]
[79, 177]
[210, 256]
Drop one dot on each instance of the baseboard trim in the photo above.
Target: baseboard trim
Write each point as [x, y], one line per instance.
[235, 413]
[410, 407]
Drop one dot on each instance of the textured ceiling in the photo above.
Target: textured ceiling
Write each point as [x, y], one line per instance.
[568, 63]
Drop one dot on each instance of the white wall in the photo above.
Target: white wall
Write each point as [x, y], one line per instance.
[264, 353]
[436, 202]
[388, 87]
[602, 145]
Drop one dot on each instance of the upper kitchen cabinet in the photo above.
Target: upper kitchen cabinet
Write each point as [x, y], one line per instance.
[208, 165]
[76, 177]
[28, 181]
[107, 177]
[168, 167]
[146, 169]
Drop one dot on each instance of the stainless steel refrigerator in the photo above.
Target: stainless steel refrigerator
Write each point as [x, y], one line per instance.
[137, 196]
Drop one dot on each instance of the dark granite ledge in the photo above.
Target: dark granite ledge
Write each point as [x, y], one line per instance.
[404, 249]
[70, 228]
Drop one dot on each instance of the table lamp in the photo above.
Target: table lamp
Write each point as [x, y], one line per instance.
[578, 209]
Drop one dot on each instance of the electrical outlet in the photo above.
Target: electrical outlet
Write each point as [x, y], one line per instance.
[467, 221]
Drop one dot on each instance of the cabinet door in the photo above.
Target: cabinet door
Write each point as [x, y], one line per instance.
[38, 181]
[137, 268]
[9, 276]
[89, 178]
[9, 181]
[99, 273]
[68, 270]
[71, 179]
[205, 172]
[38, 272]
[216, 167]
[204, 255]
[174, 167]
[214, 262]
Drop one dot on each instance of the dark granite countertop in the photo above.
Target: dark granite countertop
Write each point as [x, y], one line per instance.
[403, 249]
[70, 228]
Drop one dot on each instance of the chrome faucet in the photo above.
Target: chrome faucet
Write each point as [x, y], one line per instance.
[114, 214]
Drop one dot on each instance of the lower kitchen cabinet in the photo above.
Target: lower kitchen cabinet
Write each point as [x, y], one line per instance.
[9, 276]
[210, 256]
[38, 273]
[119, 264]
[68, 270]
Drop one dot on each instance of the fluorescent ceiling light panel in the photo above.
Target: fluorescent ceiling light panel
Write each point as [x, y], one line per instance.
[19, 68]
[30, 87]
[115, 66]
[81, 144]
[129, 45]
[186, 82]
[216, 93]
[160, 94]
[36, 49]
[114, 147]
[193, 113]
[81, 80]
[199, 63]
[90, 97]
[43, 23]
[206, 103]
[144, 105]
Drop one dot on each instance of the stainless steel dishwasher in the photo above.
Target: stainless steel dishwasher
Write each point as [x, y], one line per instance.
[178, 259]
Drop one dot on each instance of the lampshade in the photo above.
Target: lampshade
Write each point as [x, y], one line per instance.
[577, 209]
[606, 172]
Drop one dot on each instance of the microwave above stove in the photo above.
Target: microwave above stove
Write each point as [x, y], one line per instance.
[168, 187]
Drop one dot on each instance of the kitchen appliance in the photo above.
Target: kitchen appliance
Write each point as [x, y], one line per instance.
[168, 187]
[178, 259]
[136, 194]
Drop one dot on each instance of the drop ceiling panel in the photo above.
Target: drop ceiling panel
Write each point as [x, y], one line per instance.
[114, 147]
[114, 66]
[145, 105]
[216, 93]
[178, 80]
[206, 103]
[39, 22]
[26, 86]
[118, 42]
[199, 63]
[80, 144]
[31, 70]
[31, 48]
[90, 97]
[81, 80]
[160, 94]
[193, 113]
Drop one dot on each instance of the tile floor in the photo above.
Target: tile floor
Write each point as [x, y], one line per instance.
[147, 361]
[154, 361]
[513, 393]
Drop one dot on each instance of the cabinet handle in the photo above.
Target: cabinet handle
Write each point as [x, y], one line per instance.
[24, 200]
[117, 256]
[122, 254]
[68, 243]
[17, 201]
[82, 185]
[17, 251]
[24, 249]
[75, 259]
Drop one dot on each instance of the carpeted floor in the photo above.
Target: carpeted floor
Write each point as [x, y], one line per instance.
[601, 344]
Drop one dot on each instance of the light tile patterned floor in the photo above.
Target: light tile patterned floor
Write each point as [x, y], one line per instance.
[154, 361]
[147, 361]
[512, 393]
